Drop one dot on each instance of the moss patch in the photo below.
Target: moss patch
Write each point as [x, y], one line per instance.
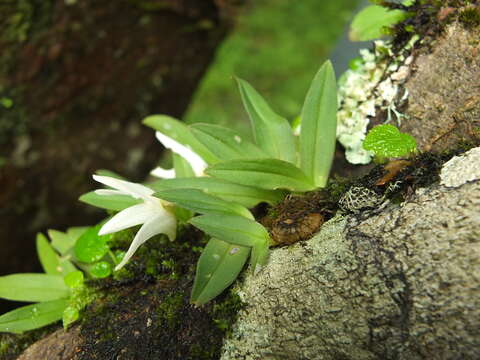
[147, 314]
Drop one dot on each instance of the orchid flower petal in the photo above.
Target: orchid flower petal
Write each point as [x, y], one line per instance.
[196, 162]
[131, 216]
[107, 192]
[163, 173]
[135, 190]
[158, 225]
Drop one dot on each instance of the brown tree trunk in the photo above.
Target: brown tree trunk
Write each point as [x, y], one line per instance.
[76, 78]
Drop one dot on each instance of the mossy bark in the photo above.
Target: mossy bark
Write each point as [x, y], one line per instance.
[76, 78]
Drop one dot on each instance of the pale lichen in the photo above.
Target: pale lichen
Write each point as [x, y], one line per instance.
[373, 84]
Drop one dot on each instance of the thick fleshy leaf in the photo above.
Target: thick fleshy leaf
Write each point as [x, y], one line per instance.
[319, 126]
[259, 255]
[181, 167]
[225, 143]
[217, 268]
[32, 316]
[200, 202]
[232, 229]
[32, 287]
[61, 241]
[48, 257]
[369, 23]
[91, 247]
[247, 196]
[181, 133]
[272, 133]
[268, 174]
[109, 202]
[157, 225]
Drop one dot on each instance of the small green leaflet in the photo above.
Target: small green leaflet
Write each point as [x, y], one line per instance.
[247, 196]
[48, 257]
[180, 133]
[225, 143]
[369, 23]
[32, 316]
[91, 247]
[270, 174]
[70, 315]
[200, 202]
[387, 141]
[233, 229]
[100, 270]
[272, 133]
[74, 279]
[319, 126]
[217, 268]
[33, 287]
[109, 202]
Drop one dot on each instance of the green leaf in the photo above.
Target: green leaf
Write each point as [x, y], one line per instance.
[217, 268]
[109, 202]
[387, 141]
[200, 202]
[182, 167]
[268, 174]
[233, 229]
[33, 287]
[91, 247]
[272, 133]
[247, 196]
[61, 241]
[368, 24]
[319, 126]
[109, 173]
[74, 279]
[32, 316]
[259, 255]
[47, 256]
[75, 232]
[225, 143]
[180, 133]
[69, 316]
[100, 270]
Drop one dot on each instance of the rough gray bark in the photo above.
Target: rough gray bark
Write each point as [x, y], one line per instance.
[401, 284]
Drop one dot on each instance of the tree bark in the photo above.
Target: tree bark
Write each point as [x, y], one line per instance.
[76, 78]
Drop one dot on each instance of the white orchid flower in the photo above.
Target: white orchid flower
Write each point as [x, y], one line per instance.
[196, 162]
[152, 213]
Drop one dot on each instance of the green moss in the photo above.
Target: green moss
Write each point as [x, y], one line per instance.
[169, 310]
[470, 17]
[225, 312]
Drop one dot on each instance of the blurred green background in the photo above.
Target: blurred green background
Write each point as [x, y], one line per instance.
[277, 46]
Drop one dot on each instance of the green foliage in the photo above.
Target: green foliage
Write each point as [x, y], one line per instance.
[371, 22]
[32, 316]
[91, 247]
[269, 174]
[60, 292]
[217, 268]
[387, 141]
[319, 126]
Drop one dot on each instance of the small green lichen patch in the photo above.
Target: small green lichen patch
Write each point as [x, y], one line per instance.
[470, 17]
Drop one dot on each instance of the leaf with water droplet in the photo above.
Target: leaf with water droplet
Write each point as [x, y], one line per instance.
[32, 316]
[91, 247]
[217, 268]
[100, 270]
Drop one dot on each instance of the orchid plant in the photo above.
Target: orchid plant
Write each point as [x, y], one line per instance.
[217, 177]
